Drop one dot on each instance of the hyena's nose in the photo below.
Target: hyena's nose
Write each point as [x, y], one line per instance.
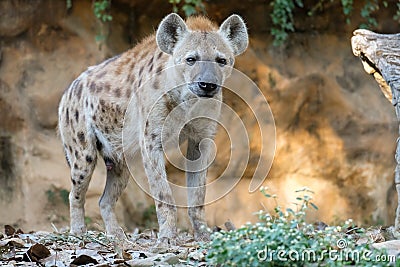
[207, 86]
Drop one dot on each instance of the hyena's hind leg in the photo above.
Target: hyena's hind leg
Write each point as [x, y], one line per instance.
[82, 157]
[117, 180]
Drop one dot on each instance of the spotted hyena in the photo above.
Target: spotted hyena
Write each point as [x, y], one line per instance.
[182, 64]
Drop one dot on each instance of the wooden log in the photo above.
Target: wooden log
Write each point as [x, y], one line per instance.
[380, 56]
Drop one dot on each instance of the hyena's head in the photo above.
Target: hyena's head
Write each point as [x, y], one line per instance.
[202, 53]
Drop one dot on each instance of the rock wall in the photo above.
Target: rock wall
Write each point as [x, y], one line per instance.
[335, 131]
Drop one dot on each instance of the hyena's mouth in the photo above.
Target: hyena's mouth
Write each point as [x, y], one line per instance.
[203, 89]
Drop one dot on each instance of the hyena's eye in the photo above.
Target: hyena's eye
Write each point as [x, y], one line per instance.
[190, 60]
[221, 61]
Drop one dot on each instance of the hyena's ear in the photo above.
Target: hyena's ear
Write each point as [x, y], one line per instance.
[170, 30]
[234, 29]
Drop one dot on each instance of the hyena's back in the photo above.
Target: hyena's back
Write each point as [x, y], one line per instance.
[92, 109]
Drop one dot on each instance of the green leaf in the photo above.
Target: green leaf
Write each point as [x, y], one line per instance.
[290, 211]
[314, 206]
[100, 38]
[69, 4]
[299, 3]
[189, 10]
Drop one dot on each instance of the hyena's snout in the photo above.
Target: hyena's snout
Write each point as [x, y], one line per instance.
[208, 89]
[205, 89]
[208, 80]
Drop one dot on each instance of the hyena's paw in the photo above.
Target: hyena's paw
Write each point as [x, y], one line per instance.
[167, 238]
[164, 244]
[119, 238]
[77, 230]
[117, 233]
[167, 232]
[168, 241]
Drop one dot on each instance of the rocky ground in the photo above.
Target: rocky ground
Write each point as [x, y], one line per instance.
[60, 249]
[95, 249]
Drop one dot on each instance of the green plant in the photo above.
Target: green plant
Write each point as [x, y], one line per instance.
[88, 220]
[284, 238]
[149, 216]
[55, 195]
[189, 7]
[51, 196]
[68, 4]
[397, 15]
[347, 6]
[283, 18]
[101, 10]
[64, 194]
[370, 7]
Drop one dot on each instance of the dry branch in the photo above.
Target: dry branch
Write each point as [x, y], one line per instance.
[380, 55]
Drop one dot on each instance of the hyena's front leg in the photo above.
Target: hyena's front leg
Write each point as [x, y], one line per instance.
[196, 183]
[154, 165]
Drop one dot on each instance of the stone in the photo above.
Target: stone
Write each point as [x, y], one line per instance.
[166, 259]
[17, 16]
